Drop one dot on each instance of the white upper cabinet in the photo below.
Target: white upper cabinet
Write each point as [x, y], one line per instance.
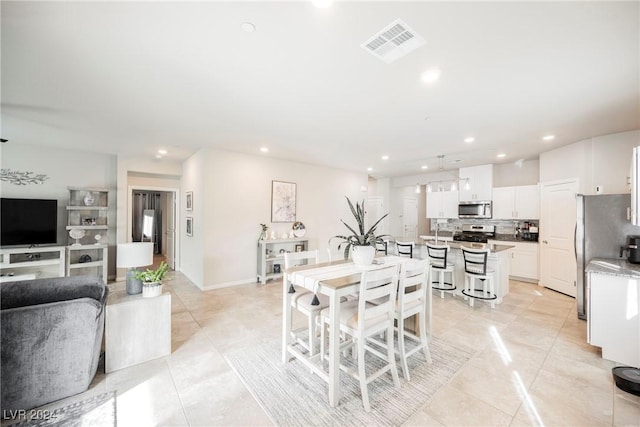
[442, 204]
[522, 202]
[478, 184]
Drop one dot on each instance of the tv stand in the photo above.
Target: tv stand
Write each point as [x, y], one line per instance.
[30, 263]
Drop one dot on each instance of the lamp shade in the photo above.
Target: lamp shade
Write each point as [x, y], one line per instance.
[135, 254]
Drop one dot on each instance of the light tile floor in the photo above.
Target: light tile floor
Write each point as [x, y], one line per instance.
[532, 364]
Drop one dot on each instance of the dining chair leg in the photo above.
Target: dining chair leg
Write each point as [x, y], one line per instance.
[403, 353]
[391, 355]
[441, 275]
[312, 333]
[363, 376]
[423, 336]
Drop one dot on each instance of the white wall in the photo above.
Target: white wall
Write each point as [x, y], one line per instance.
[65, 168]
[603, 160]
[236, 192]
[510, 174]
[192, 248]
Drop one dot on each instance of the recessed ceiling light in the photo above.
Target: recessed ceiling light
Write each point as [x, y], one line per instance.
[322, 4]
[431, 75]
[424, 167]
[501, 155]
[385, 157]
[469, 140]
[369, 169]
[548, 137]
[264, 149]
[162, 151]
[248, 27]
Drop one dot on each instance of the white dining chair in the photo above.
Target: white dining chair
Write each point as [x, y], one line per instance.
[413, 301]
[302, 300]
[361, 319]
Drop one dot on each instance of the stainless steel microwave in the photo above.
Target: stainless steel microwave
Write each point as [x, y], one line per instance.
[474, 209]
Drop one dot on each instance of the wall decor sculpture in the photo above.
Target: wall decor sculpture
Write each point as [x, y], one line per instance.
[283, 201]
[22, 178]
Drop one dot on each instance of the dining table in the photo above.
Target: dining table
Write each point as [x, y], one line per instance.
[336, 280]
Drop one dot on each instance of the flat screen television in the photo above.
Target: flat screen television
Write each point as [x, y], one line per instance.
[28, 221]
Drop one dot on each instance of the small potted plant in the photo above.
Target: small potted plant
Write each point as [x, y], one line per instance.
[151, 280]
[361, 243]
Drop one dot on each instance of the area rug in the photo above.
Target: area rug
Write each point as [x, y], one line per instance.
[291, 395]
[97, 411]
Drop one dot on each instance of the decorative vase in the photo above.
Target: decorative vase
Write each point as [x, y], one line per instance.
[363, 255]
[151, 289]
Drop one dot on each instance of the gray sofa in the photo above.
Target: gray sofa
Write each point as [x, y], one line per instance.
[51, 336]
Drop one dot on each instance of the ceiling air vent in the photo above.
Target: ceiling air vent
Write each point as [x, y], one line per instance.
[393, 42]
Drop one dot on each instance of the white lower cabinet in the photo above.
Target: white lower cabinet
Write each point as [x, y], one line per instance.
[612, 317]
[524, 260]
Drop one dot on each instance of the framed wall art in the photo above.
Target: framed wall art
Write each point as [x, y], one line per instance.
[189, 226]
[283, 201]
[189, 204]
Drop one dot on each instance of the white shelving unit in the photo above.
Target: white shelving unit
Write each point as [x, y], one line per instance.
[31, 263]
[88, 210]
[270, 254]
[98, 254]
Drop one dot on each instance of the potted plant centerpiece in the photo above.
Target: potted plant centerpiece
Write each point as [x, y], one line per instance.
[151, 280]
[361, 243]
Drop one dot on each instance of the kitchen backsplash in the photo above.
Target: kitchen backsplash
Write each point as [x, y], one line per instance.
[503, 226]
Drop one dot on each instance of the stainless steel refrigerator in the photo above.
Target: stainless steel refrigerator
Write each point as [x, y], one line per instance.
[602, 227]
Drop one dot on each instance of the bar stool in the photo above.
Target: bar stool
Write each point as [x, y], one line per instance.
[475, 268]
[404, 248]
[438, 264]
[381, 247]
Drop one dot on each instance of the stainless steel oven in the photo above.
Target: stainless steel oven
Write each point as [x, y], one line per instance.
[474, 209]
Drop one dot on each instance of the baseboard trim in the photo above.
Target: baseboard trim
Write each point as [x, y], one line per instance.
[229, 284]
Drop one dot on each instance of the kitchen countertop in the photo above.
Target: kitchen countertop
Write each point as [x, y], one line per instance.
[448, 236]
[457, 245]
[613, 267]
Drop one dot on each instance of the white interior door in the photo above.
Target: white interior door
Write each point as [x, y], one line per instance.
[557, 226]
[171, 230]
[374, 212]
[410, 218]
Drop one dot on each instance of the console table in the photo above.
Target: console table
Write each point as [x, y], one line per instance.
[31, 263]
[137, 329]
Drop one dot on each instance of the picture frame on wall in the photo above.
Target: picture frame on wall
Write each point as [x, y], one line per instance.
[283, 201]
[189, 202]
[299, 247]
[189, 226]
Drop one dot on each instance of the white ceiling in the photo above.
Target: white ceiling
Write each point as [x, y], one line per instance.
[123, 77]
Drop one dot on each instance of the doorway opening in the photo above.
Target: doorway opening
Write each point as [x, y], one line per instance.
[152, 218]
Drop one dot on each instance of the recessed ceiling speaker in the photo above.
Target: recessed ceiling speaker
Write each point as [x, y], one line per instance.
[627, 378]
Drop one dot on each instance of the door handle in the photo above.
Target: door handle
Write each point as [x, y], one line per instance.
[545, 242]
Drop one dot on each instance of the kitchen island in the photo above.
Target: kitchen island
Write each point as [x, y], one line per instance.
[499, 260]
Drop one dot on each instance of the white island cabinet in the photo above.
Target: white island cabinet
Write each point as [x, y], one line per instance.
[613, 320]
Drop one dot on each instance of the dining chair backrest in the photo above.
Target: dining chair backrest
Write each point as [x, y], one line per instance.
[413, 284]
[378, 285]
[292, 259]
[381, 247]
[405, 248]
[475, 260]
[438, 255]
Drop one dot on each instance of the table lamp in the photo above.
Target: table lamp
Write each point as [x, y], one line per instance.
[132, 255]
